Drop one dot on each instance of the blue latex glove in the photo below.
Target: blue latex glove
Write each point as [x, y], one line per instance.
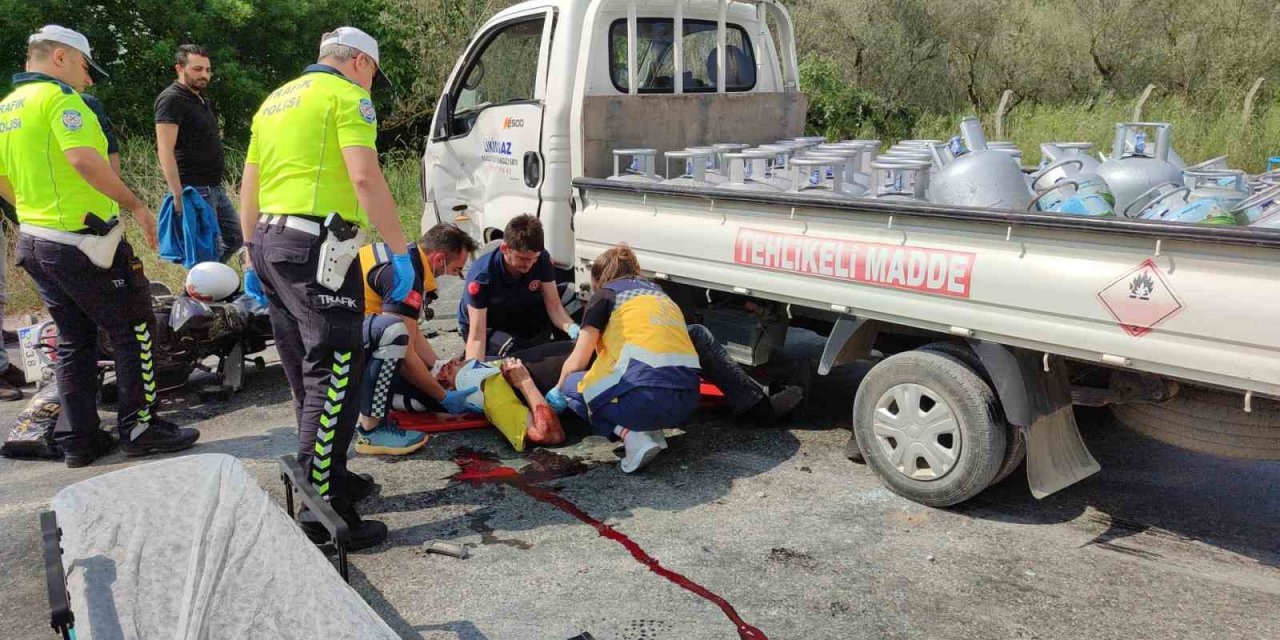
[253, 287]
[404, 276]
[456, 401]
[556, 399]
[573, 331]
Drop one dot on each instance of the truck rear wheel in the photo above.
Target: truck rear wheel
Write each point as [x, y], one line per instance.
[930, 427]
[1016, 451]
[1208, 421]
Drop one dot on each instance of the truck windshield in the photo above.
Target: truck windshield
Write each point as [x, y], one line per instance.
[655, 56]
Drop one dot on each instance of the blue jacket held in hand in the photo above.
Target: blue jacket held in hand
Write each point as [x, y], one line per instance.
[190, 238]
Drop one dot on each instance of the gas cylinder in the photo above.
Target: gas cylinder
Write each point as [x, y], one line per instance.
[1010, 148]
[1228, 187]
[748, 171]
[1262, 209]
[980, 177]
[1071, 167]
[778, 163]
[900, 179]
[712, 163]
[1065, 197]
[1051, 152]
[1133, 174]
[692, 165]
[854, 181]
[639, 165]
[809, 175]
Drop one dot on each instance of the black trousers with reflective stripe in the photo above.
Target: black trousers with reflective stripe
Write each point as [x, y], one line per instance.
[82, 299]
[317, 334]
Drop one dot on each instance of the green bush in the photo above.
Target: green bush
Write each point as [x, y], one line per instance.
[254, 45]
[839, 110]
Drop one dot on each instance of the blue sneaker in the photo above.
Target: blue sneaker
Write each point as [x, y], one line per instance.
[388, 439]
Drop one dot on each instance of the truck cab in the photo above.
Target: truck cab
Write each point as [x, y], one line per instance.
[547, 89]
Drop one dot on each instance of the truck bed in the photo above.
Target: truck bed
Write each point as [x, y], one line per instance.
[1197, 303]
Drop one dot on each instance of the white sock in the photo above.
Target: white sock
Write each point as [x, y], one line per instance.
[621, 432]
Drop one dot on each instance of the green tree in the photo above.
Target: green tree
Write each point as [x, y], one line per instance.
[255, 45]
[839, 110]
[428, 36]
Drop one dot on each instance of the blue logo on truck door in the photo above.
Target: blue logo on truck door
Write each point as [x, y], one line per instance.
[500, 147]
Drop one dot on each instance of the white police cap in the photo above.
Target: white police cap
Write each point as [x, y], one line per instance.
[360, 41]
[71, 38]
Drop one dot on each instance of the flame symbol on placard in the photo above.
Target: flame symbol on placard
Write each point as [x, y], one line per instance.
[1141, 287]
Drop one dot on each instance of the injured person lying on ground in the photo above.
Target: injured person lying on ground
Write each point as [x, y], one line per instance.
[511, 391]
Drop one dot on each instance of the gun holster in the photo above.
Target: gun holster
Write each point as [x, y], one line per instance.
[340, 243]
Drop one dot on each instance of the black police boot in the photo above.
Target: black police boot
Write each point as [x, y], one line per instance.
[360, 486]
[98, 445]
[364, 533]
[161, 436]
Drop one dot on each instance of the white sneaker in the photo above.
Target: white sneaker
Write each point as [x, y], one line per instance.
[641, 447]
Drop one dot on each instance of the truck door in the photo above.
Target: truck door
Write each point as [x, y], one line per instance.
[486, 152]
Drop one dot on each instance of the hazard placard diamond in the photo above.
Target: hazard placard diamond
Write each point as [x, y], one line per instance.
[1141, 299]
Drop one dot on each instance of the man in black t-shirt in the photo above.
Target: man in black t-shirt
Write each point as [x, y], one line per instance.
[189, 143]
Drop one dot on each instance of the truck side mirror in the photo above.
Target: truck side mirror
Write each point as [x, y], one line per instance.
[444, 119]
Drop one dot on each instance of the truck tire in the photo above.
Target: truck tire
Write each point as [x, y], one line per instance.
[1208, 421]
[949, 447]
[1016, 451]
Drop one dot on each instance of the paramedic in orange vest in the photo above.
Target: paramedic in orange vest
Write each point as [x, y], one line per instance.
[398, 359]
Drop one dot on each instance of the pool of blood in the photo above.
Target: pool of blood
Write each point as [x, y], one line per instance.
[481, 467]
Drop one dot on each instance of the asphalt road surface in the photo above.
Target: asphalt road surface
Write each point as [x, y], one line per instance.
[774, 524]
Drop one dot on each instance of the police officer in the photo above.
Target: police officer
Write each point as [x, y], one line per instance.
[53, 163]
[312, 171]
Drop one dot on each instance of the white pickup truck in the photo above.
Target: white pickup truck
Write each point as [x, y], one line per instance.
[984, 324]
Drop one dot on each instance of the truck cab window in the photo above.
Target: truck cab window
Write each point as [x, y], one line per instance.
[506, 71]
[655, 56]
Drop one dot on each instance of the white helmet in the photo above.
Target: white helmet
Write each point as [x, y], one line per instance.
[212, 282]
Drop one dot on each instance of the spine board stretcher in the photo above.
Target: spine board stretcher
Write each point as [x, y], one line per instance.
[431, 422]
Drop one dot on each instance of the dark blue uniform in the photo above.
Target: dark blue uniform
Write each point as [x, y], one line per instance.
[517, 317]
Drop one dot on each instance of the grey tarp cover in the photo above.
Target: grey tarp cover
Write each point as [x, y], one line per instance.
[192, 548]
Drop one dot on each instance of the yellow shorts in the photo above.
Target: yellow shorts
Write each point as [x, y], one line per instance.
[505, 410]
